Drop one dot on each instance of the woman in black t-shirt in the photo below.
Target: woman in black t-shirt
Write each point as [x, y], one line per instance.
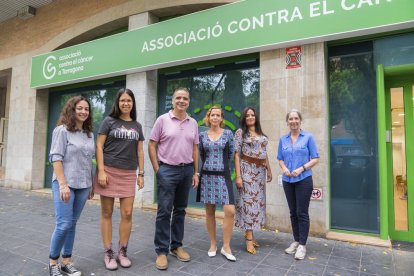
[119, 151]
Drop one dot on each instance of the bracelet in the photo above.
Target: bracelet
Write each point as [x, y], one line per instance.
[304, 168]
[238, 176]
[198, 174]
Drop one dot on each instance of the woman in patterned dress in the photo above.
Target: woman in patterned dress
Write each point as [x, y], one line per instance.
[216, 151]
[252, 171]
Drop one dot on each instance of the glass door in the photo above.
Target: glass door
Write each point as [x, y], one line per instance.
[400, 134]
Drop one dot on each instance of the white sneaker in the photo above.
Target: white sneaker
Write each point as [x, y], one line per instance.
[300, 252]
[292, 248]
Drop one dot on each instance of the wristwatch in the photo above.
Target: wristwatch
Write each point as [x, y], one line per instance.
[198, 174]
[141, 174]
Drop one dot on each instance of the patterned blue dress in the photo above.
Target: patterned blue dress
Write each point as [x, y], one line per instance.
[215, 183]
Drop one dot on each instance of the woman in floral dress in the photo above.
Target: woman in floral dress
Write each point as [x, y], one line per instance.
[216, 151]
[252, 171]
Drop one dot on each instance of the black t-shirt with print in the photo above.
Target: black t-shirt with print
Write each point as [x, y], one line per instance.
[121, 144]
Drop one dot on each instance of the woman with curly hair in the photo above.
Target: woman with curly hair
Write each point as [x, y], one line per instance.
[71, 154]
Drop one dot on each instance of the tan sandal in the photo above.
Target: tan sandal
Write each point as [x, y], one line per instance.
[251, 250]
[255, 243]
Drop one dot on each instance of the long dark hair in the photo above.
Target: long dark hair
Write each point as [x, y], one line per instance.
[116, 112]
[243, 124]
[68, 115]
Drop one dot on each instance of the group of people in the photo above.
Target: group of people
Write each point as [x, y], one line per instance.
[174, 148]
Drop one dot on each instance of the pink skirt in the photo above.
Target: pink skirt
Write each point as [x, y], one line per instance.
[121, 183]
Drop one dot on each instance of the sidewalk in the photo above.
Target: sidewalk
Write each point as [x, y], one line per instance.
[27, 221]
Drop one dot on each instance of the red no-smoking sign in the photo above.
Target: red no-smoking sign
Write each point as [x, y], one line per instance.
[317, 194]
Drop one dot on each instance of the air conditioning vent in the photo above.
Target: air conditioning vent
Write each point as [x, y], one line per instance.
[26, 12]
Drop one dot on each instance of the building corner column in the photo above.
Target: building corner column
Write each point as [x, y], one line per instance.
[144, 87]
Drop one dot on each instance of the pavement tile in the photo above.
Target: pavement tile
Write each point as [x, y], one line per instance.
[309, 268]
[296, 273]
[404, 267]
[347, 252]
[334, 271]
[227, 272]
[343, 263]
[280, 260]
[4, 273]
[378, 269]
[34, 251]
[240, 266]
[243, 255]
[316, 258]
[198, 268]
[264, 270]
[24, 266]
[319, 246]
[377, 255]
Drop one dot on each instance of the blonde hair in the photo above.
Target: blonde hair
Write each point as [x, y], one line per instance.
[206, 118]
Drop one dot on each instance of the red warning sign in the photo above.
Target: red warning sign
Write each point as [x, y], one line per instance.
[317, 194]
[293, 57]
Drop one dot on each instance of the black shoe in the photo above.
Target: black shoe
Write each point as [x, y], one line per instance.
[54, 270]
[70, 270]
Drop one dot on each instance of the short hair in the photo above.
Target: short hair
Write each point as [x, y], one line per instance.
[206, 118]
[181, 89]
[68, 115]
[291, 111]
[116, 112]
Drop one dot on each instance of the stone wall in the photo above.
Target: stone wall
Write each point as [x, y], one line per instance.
[305, 89]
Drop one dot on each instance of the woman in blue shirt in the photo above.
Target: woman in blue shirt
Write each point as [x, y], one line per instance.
[297, 154]
[71, 154]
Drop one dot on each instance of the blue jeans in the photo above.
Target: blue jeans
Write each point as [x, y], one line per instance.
[66, 214]
[298, 196]
[173, 185]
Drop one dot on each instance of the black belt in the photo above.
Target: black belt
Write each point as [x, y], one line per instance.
[203, 172]
[178, 165]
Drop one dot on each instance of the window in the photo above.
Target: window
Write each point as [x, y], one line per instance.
[233, 86]
[353, 143]
[101, 97]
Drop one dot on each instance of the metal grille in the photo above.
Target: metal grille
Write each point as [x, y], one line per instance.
[9, 8]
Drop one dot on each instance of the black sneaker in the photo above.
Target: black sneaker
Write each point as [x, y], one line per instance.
[70, 270]
[54, 270]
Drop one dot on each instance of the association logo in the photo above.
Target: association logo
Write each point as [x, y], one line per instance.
[49, 70]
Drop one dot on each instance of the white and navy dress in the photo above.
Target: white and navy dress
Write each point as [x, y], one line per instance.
[215, 182]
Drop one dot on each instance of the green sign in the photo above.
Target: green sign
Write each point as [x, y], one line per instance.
[238, 28]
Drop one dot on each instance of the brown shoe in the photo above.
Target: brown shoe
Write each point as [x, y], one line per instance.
[161, 262]
[181, 254]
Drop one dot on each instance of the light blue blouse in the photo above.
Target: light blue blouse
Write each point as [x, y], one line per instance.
[298, 154]
[75, 150]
